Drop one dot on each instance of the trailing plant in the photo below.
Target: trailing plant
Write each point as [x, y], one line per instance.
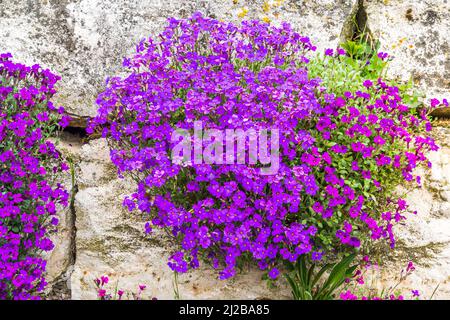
[30, 196]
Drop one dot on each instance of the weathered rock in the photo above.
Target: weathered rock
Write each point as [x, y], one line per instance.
[441, 112]
[61, 259]
[416, 34]
[85, 41]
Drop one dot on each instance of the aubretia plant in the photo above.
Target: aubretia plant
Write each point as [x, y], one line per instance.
[340, 151]
[29, 162]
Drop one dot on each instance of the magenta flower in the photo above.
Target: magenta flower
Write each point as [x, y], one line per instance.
[367, 83]
[434, 102]
[410, 267]
[29, 163]
[273, 273]
[101, 293]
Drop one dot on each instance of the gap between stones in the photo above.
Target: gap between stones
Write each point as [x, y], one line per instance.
[61, 287]
[355, 26]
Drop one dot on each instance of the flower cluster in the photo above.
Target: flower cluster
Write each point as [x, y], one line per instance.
[339, 154]
[29, 198]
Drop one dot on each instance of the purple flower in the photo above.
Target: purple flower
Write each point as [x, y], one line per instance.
[102, 293]
[367, 83]
[341, 51]
[273, 273]
[379, 140]
[329, 52]
[316, 255]
[382, 55]
[434, 102]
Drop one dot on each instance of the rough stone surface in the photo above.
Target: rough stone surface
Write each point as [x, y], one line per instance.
[425, 237]
[416, 33]
[85, 40]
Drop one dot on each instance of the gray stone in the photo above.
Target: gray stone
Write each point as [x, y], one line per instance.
[85, 41]
[415, 33]
[425, 237]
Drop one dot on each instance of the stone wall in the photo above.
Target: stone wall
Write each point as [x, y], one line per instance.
[85, 40]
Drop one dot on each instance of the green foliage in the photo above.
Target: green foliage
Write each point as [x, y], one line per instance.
[308, 284]
[348, 72]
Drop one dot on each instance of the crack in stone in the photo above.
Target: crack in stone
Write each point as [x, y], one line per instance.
[78, 126]
[355, 27]
[61, 287]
